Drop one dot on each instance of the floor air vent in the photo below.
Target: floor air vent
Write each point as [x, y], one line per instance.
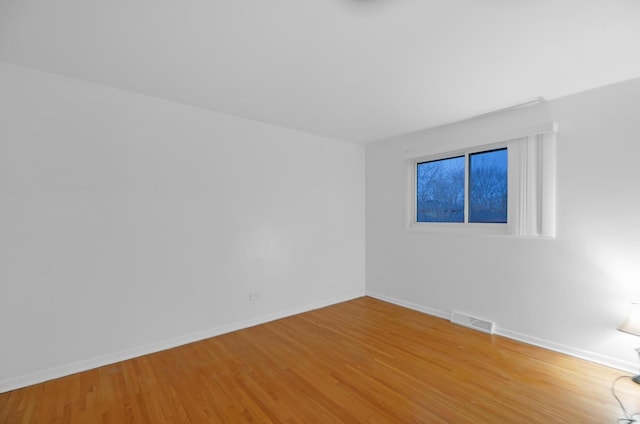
[472, 322]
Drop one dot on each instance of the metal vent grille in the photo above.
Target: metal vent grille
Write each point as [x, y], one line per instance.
[472, 322]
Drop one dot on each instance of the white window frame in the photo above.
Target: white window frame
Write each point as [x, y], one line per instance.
[531, 186]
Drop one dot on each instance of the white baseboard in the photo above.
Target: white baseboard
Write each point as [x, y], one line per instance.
[546, 344]
[64, 370]
[571, 351]
[414, 306]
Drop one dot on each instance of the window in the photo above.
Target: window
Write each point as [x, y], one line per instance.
[440, 190]
[488, 186]
[445, 186]
[505, 188]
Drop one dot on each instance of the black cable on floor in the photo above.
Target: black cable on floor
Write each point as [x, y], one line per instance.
[628, 418]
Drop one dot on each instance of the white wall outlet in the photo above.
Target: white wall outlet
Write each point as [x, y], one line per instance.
[254, 296]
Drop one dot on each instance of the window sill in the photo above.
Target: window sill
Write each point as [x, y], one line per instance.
[500, 230]
[464, 229]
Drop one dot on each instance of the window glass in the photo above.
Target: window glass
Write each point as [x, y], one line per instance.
[502, 188]
[440, 190]
[488, 186]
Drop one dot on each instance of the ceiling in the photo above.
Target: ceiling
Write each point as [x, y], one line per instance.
[353, 70]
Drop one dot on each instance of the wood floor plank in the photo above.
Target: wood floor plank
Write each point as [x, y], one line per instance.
[363, 361]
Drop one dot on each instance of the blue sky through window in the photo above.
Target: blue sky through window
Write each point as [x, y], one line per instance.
[488, 186]
[440, 188]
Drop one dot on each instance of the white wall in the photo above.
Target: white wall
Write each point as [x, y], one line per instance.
[567, 293]
[129, 224]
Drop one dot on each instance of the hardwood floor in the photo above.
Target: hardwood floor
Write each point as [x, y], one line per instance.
[363, 361]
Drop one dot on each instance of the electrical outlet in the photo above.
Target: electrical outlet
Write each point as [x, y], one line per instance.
[254, 296]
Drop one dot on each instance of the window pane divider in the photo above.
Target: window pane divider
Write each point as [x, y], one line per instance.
[530, 183]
